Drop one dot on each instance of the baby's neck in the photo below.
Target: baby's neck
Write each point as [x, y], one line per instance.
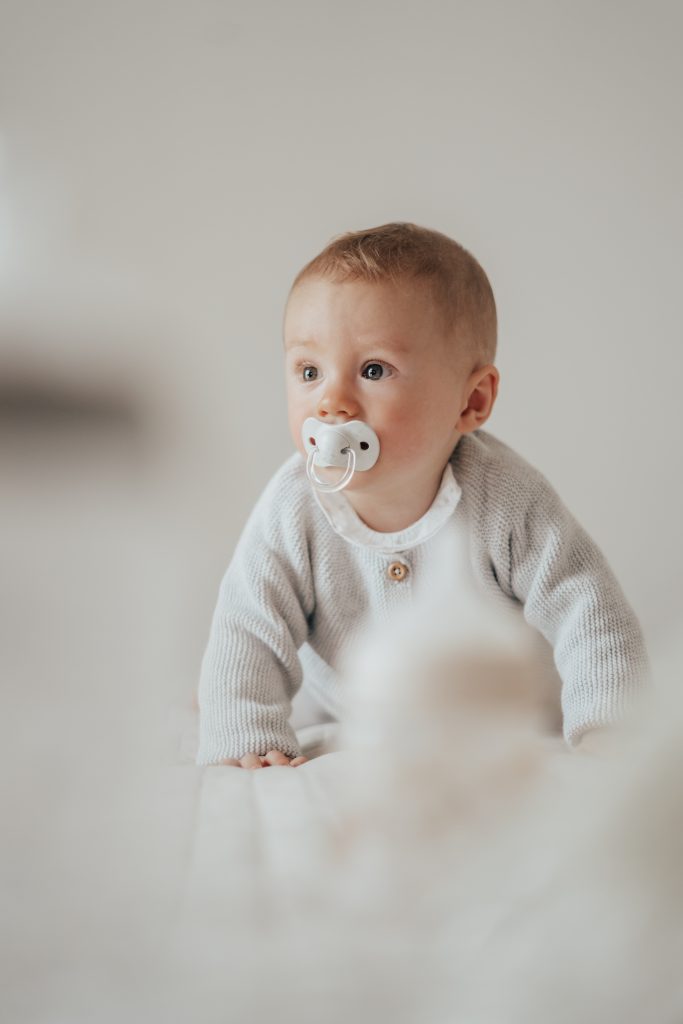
[393, 510]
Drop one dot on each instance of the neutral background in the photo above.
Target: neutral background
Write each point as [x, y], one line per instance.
[165, 170]
[167, 167]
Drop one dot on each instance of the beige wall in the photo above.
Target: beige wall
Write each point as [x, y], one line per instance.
[167, 167]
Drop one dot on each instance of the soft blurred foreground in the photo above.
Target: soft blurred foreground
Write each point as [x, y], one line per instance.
[450, 860]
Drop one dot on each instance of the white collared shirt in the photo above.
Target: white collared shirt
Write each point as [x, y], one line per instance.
[343, 518]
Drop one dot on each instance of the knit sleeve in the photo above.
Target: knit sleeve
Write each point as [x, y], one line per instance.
[251, 669]
[571, 596]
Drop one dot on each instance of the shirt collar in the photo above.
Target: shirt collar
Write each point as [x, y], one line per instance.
[346, 522]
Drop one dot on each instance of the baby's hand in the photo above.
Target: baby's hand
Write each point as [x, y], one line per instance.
[263, 760]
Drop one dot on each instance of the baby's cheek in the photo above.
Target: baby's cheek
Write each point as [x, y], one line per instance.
[298, 443]
[406, 439]
[295, 420]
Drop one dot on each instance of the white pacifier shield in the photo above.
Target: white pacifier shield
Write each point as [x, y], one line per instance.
[332, 442]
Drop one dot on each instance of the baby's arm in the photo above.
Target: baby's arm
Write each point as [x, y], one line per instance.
[572, 597]
[251, 667]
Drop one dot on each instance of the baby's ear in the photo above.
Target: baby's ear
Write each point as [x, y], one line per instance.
[482, 390]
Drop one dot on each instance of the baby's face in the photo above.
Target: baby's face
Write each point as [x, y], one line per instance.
[377, 353]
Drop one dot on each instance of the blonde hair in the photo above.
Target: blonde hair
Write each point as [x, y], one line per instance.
[400, 251]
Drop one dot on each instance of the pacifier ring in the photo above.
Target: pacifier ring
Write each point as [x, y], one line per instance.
[323, 485]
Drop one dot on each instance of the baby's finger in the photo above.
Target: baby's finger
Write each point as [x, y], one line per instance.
[297, 761]
[251, 761]
[275, 757]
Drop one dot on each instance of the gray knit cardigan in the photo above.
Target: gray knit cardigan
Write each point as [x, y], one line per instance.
[297, 588]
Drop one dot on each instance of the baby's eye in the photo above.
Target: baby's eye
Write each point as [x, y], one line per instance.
[309, 373]
[375, 371]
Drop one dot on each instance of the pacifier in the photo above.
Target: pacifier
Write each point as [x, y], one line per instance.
[350, 446]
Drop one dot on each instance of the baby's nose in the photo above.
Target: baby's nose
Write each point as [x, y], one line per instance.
[338, 402]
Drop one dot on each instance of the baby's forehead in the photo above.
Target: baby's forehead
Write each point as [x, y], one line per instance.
[401, 313]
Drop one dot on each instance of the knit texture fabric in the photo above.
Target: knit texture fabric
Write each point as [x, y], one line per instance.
[296, 590]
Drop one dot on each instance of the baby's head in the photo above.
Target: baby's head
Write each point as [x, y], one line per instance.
[395, 326]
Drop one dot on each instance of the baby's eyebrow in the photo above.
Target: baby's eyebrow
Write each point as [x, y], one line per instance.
[388, 342]
[299, 343]
[387, 345]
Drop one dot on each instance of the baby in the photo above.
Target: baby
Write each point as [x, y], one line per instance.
[390, 338]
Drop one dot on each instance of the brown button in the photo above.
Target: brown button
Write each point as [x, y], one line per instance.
[397, 571]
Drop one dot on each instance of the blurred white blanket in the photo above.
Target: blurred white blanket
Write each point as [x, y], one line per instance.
[256, 827]
[349, 888]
